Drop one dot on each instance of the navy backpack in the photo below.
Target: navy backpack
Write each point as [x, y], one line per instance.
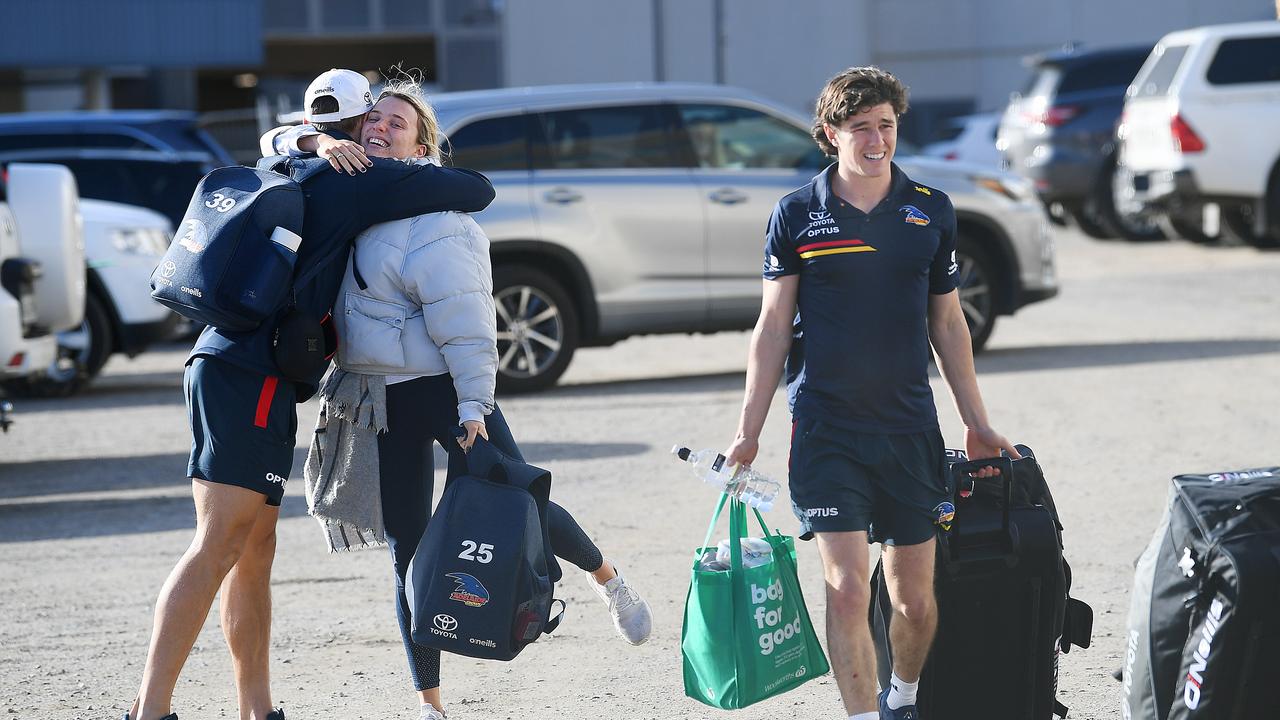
[480, 583]
[231, 262]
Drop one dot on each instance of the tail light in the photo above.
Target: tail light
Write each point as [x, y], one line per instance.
[1055, 116]
[1184, 138]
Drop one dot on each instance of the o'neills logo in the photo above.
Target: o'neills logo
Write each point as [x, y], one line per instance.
[1200, 657]
[1243, 475]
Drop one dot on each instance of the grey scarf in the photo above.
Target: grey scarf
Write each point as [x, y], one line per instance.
[341, 473]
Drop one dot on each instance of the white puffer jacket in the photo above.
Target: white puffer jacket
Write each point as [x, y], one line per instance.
[427, 307]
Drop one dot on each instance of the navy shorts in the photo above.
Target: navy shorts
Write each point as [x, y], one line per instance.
[243, 426]
[894, 486]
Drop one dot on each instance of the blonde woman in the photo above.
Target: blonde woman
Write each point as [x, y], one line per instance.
[440, 364]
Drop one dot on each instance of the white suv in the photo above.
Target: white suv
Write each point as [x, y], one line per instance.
[1200, 130]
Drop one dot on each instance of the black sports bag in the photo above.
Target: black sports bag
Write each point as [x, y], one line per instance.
[1204, 619]
[1004, 604]
[481, 580]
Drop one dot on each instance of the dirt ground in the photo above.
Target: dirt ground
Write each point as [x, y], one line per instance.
[1156, 359]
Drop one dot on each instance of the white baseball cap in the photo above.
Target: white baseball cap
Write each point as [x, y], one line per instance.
[349, 88]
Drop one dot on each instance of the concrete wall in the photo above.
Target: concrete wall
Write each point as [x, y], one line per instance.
[943, 49]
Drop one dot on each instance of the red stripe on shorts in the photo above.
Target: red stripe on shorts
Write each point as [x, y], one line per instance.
[264, 401]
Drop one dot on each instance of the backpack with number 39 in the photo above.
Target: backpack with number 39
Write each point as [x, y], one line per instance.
[481, 580]
[232, 259]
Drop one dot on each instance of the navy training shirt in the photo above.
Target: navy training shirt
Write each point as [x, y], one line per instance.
[338, 207]
[860, 355]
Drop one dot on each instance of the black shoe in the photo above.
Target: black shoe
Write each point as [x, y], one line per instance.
[173, 716]
[277, 714]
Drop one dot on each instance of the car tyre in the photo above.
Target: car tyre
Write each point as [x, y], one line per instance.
[1239, 220]
[537, 328]
[1133, 228]
[82, 352]
[1087, 219]
[977, 288]
[1187, 229]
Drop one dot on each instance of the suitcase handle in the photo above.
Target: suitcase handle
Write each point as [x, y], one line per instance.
[960, 477]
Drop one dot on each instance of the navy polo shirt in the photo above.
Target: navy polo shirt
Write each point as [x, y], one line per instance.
[860, 355]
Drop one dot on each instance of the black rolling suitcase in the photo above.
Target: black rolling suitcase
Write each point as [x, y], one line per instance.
[1204, 619]
[1004, 609]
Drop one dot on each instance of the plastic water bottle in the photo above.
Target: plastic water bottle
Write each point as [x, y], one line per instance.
[743, 483]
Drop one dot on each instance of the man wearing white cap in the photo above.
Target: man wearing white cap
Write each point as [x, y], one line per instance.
[241, 390]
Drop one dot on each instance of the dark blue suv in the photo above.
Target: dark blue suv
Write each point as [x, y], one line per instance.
[160, 130]
[1059, 132]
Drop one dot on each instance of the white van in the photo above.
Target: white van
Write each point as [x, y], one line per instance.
[42, 268]
[1200, 129]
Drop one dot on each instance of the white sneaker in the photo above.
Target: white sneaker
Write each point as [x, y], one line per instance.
[630, 612]
[430, 713]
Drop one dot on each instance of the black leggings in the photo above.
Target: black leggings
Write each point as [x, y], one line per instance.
[419, 412]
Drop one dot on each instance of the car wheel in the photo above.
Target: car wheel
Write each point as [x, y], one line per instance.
[1127, 226]
[537, 329]
[977, 286]
[82, 352]
[1187, 229]
[1239, 220]
[1090, 222]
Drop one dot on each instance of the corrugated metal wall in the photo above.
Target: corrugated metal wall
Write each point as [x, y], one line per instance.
[154, 33]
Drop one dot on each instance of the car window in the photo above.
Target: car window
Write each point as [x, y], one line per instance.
[492, 144]
[728, 137]
[161, 186]
[1246, 60]
[1042, 82]
[30, 141]
[632, 136]
[1114, 72]
[1155, 81]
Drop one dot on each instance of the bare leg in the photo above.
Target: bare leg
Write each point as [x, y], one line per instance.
[224, 517]
[432, 697]
[246, 616]
[846, 566]
[908, 572]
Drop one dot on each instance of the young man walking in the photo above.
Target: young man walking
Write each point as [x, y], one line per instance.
[240, 404]
[867, 258]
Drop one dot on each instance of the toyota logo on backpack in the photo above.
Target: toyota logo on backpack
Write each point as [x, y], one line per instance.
[446, 623]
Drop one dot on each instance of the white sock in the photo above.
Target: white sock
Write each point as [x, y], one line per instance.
[866, 716]
[901, 692]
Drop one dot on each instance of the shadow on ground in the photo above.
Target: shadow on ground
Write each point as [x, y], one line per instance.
[1059, 357]
[70, 519]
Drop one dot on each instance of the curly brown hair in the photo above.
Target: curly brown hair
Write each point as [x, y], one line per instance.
[853, 91]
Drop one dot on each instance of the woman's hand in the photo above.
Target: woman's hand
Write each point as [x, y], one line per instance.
[344, 155]
[473, 428]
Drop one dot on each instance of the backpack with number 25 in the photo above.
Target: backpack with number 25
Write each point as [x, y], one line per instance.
[480, 582]
[231, 261]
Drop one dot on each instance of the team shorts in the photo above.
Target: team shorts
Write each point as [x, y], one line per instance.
[893, 486]
[243, 426]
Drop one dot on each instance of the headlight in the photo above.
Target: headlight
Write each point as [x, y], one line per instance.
[141, 241]
[1014, 188]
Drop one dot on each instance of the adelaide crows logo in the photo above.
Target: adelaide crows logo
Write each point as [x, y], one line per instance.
[469, 591]
[914, 215]
[946, 515]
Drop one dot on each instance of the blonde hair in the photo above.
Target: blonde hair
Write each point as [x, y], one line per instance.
[408, 90]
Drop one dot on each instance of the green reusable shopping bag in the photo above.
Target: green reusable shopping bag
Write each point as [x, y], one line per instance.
[747, 634]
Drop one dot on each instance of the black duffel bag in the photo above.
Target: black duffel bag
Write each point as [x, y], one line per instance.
[1204, 618]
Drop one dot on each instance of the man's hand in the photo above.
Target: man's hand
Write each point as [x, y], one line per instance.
[473, 428]
[982, 443]
[344, 155]
[742, 452]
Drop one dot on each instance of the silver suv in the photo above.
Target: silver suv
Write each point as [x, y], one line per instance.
[630, 209]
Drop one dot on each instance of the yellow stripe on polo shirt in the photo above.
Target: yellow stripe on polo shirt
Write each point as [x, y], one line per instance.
[835, 251]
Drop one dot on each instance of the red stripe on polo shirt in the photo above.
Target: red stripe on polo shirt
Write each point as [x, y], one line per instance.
[827, 244]
[264, 401]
